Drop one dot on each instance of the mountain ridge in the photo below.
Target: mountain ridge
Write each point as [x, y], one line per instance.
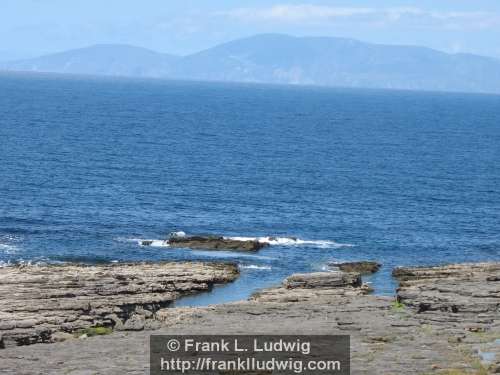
[285, 59]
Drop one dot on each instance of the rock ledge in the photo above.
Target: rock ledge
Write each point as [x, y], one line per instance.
[37, 302]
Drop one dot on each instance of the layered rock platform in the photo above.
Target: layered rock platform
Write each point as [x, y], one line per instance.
[442, 320]
[45, 303]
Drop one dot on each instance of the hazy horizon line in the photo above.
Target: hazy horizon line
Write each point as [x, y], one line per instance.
[87, 46]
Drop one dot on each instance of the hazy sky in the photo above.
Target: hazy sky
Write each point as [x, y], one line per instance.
[34, 27]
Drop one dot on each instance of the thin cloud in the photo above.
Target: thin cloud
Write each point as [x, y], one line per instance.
[311, 14]
[293, 13]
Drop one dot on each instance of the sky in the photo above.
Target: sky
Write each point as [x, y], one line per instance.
[30, 28]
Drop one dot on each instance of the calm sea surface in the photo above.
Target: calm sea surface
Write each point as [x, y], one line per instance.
[88, 167]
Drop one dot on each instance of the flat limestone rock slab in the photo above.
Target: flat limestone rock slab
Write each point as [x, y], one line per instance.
[456, 289]
[386, 337]
[36, 302]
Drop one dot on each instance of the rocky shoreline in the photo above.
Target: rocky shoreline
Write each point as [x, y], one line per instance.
[444, 320]
[53, 303]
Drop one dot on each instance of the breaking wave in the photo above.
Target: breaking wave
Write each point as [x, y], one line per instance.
[139, 241]
[293, 241]
[9, 243]
[273, 241]
[26, 263]
[155, 243]
[228, 254]
[8, 249]
[255, 267]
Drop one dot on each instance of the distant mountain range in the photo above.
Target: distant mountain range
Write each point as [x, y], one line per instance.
[275, 58]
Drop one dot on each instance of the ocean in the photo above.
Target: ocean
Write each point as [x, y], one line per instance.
[91, 166]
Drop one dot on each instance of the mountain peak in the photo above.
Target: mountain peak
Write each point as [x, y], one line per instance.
[281, 58]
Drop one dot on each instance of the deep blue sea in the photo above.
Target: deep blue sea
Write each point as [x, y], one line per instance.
[90, 166]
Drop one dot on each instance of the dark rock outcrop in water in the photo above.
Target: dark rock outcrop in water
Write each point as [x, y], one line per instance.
[215, 243]
[212, 243]
[40, 303]
[363, 267]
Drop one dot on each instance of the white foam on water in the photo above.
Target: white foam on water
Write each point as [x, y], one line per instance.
[325, 268]
[292, 241]
[273, 241]
[9, 243]
[207, 253]
[125, 239]
[228, 254]
[155, 243]
[255, 267]
[29, 263]
[8, 249]
[139, 241]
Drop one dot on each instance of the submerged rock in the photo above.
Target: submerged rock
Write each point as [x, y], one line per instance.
[215, 243]
[363, 267]
[39, 303]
